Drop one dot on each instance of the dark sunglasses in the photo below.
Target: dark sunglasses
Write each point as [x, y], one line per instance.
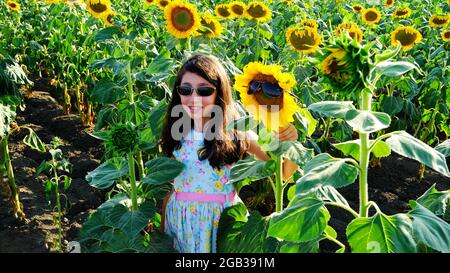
[202, 91]
[269, 89]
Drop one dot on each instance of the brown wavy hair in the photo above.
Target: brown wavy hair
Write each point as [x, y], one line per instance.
[228, 146]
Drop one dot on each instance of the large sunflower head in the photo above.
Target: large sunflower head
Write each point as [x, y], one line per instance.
[223, 11]
[389, 3]
[408, 37]
[98, 8]
[402, 13]
[303, 39]
[357, 8]
[345, 65]
[352, 29]
[439, 21]
[13, 5]
[371, 16]
[446, 35]
[237, 8]
[182, 19]
[273, 111]
[309, 23]
[258, 11]
[210, 26]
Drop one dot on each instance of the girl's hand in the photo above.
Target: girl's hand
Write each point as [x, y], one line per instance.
[288, 133]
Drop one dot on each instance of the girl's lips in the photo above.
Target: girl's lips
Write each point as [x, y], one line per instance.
[195, 108]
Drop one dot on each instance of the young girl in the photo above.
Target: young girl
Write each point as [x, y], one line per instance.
[192, 210]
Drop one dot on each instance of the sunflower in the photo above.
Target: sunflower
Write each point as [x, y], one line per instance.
[353, 30]
[309, 23]
[182, 19]
[273, 112]
[150, 2]
[163, 3]
[237, 8]
[212, 27]
[53, 1]
[13, 5]
[371, 16]
[98, 8]
[289, 1]
[345, 66]
[223, 11]
[439, 21]
[108, 18]
[258, 11]
[303, 39]
[406, 36]
[402, 13]
[357, 8]
[389, 3]
[446, 35]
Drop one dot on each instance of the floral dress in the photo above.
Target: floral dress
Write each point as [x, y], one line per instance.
[200, 194]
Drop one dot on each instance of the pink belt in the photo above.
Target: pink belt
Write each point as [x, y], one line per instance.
[205, 197]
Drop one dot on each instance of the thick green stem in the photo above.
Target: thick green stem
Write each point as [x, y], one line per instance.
[258, 50]
[58, 206]
[128, 71]
[366, 102]
[134, 203]
[140, 163]
[15, 201]
[279, 184]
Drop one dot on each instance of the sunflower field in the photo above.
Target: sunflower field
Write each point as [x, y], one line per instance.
[85, 87]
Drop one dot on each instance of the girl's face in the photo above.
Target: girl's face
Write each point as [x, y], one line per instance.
[198, 107]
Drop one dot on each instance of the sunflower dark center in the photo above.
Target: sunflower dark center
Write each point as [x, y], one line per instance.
[109, 18]
[210, 27]
[357, 8]
[401, 12]
[237, 9]
[371, 16]
[12, 5]
[389, 2]
[223, 11]
[273, 104]
[98, 7]
[182, 18]
[256, 11]
[164, 3]
[406, 38]
[440, 20]
[302, 42]
[447, 34]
